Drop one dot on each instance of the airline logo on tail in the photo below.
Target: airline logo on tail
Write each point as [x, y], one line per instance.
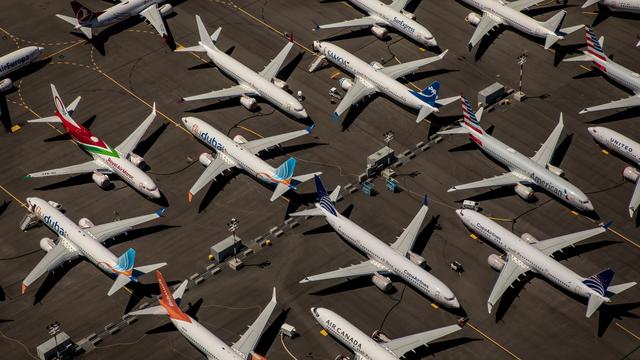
[124, 265]
[470, 119]
[593, 44]
[168, 302]
[600, 281]
[323, 198]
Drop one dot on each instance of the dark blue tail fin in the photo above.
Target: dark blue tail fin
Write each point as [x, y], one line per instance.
[429, 94]
[600, 281]
[323, 197]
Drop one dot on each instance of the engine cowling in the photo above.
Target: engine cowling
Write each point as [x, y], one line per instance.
[345, 83]
[55, 204]
[473, 19]
[85, 223]
[5, 85]
[554, 169]
[280, 83]
[240, 139]
[496, 262]
[248, 102]
[100, 179]
[528, 238]
[379, 31]
[255, 356]
[417, 259]
[47, 244]
[380, 337]
[137, 160]
[376, 65]
[524, 192]
[381, 282]
[630, 173]
[408, 15]
[166, 9]
[206, 159]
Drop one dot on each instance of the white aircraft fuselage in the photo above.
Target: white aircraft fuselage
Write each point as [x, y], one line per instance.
[616, 142]
[503, 14]
[632, 6]
[399, 265]
[617, 73]
[19, 58]
[253, 82]
[117, 13]
[360, 343]
[530, 257]
[382, 82]
[203, 339]
[397, 20]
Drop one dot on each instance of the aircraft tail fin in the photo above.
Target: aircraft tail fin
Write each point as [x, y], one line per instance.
[600, 284]
[61, 109]
[324, 198]
[589, 3]
[127, 272]
[205, 39]
[594, 45]
[169, 303]
[471, 119]
[82, 13]
[554, 23]
[429, 95]
[283, 175]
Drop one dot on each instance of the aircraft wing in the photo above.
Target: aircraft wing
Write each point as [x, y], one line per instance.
[635, 199]
[356, 93]
[544, 154]
[403, 69]
[523, 4]
[552, 245]
[398, 5]
[234, 91]
[153, 16]
[364, 268]
[361, 22]
[84, 168]
[106, 231]
[512, 269]
[271, 70]
[250, 338]
[408, 237]
[255, 146]
[401, 346]
[214, 169]
[484, 26]
[622, 103]
[54, 258]
[130, 143]
[509, 178]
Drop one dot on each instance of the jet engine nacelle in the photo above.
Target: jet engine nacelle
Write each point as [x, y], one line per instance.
[166, 9]
[379, 336]
[408, 15]
[100, 179]
[5, 85]
[528, 238]
[47, 244]
[473, 19]
[630, 173]
[248, 102]
[376, 65]
[206, 159]
[381, 282]
[255, 356]
[417, 259]
[379, 32]
[554, 169]
[240, 139]
[341, 357]
[85, 223]
[345, 83]
[55, 204]
[496, 262]
[280, 83]
[137, 160]
[524, 192]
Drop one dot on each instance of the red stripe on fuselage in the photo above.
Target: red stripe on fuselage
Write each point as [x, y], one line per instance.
[479, 131]
[592, 52]
[475, 140]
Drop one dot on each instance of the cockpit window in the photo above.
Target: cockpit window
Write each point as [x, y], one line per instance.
[449, 298]
[298, 108]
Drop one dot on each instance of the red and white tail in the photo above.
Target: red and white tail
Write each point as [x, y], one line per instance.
[168, 302]
[470, 119]
[61, 109]
[82, 13]
[594, 46]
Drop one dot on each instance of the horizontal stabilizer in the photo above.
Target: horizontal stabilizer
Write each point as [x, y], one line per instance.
[447, 101]
[594, 303]
[617, 289]
[145, 269]
[153, 310]
[305, 177]
[570, 29]
[196, 48]
[454, 131]
[48, 119]
[118, 284]
[584, 57]
[280, 189]
[308, 212]
[550, 40]
[589, 3]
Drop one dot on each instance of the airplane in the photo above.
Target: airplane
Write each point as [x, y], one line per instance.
[632, 6]
[16, 60]
[627, 148]
[241, 153]
[106, 160]
[365, 347]
[616, 72]
[526, 253]
[86, 240]
[264, 84]
[523, 171]
[497, 12]
[85, 19]
[372, 78]
[209, 344]
[381, 16]
[396, 259]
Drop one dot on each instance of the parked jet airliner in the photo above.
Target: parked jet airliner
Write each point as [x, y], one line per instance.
[632, 6]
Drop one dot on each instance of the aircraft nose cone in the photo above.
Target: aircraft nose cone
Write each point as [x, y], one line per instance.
[303, 114]
[185, 121]
[155, 194]
[454, 303]
[316, 45]
[588, 206]
[459, 212]
[431, 42]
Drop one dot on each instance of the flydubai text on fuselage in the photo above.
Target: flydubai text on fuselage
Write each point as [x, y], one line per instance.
[230, 151]
[110, 157]
[19, 58]
[357, 67]
[503, 14]
[397, 20]
[400, 265]
[354, 338]
[73, 236]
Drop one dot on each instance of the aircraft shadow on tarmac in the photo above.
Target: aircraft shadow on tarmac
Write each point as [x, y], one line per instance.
[271, 332]
[438, 346]
[604, 13]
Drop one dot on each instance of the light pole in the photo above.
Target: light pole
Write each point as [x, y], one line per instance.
[388, 136]
[232, 226]
[522, 59]
[54, 330]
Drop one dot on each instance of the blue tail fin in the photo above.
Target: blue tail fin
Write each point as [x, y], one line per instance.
[285, 171]
[429, 94]
[600, 281]
[323, 197]
[126, 260]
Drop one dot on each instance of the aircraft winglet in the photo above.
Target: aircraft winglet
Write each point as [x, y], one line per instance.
[161, 212]
[425, 202]
[310, 128]
[607, 224]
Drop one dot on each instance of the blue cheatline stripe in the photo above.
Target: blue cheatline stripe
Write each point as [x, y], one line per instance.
[126, 260]
[285, 171]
